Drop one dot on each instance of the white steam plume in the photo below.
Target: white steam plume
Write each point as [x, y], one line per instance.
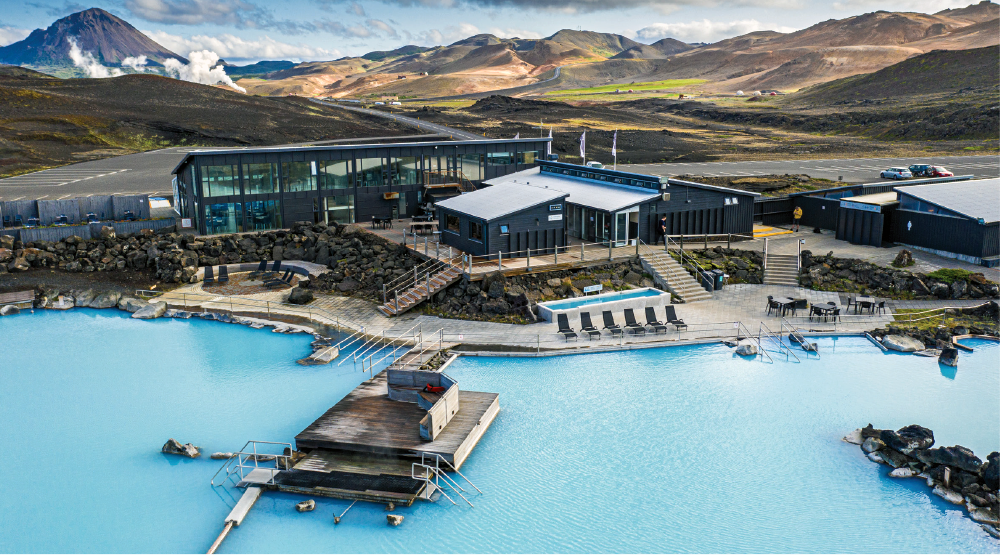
[201, 69]
[138, 64]
[88, 63]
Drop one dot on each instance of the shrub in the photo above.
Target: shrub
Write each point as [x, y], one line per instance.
[950, 275]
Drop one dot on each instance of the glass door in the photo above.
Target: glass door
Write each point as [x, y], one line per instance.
[621, 229]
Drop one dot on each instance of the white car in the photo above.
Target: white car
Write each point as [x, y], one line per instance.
[896, 173]
[595, 164]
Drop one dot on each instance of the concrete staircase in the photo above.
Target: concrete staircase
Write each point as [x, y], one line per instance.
[421, 291]
[781, 269]
[669, 274]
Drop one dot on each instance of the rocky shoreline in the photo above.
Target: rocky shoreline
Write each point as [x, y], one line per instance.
[955, 473]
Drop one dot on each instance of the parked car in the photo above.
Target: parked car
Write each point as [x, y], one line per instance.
[939, 171]
[896, 173]
[920, 170]
[595, 164]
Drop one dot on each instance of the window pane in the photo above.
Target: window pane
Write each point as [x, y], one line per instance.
[404, 171]
[472, 166]
[500, 158]
[298, 176]
[223, 218]
[260, 179]
[336, 175]
[527, 157]
[218, 181]
[452, 223]
[476, 231]
[340, 209]
[263, 215]
[370, 172]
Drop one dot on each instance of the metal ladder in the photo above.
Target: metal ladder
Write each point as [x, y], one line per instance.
[437, 480]
[763, 330]
[249, 458]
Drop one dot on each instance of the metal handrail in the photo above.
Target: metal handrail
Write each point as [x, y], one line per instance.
[371, 364]
[760, 348]
[252, 456]
[695, 266]
[455, 470]
[781, 345]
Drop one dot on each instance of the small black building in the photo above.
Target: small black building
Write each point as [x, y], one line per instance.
[510, 219]
[251, 189]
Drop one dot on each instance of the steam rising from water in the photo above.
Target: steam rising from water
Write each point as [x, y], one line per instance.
[88, 63]
[138, 64]
[202, 69]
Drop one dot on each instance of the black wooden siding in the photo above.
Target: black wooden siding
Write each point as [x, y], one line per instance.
[818, 212]
[773, 211]
[694, 211]
[529, 229]
[945, 233]
[860, 227]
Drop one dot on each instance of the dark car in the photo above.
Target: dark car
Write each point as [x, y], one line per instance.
[920, 170]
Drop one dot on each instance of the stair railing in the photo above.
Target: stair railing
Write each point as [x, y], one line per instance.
[763, 330]
[437, 479]
[760, 349]
[420, 275]
[249, 458]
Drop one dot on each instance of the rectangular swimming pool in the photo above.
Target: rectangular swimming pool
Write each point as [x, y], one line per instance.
[602, 298]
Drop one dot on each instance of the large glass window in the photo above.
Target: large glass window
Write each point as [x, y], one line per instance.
[335, 175]
[263, 215]
[223, 218]
[370, 172]
[452, 223]
[472, 166]
[219, 181]
[527, 157]
[340, 209]
[260, 179]
[299, 176]
[500, 158]
[476, 231]
[404, 171]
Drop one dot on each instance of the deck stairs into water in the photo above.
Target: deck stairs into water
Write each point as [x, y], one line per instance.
[427, 279]
[781, 269]
[668, 273]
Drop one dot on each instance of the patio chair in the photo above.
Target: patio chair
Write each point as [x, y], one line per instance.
[880, 309]
[6, 221]
[773, 306]
[223, 274]
[262, 266]
[283, 280]
[673, 319]
[768, 305]
[18, 222]
[852, 301]
[566, 331]
[815, 311]
[276, 266]
[586, 326]
[209, 278]
[866, 305]
[835, 314]
[610, 325]
[631, 324]
[652, 322]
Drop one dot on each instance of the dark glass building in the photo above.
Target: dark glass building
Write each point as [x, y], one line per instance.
[254, 189]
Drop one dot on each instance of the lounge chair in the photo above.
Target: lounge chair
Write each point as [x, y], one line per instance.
[652, 322]
[673, 319]
[610, 325]
[262, 266]
[277, 266]
[284, 280]
[209, 276]
[566, 331]
[223, 274]
[631, 324]
[587, 327]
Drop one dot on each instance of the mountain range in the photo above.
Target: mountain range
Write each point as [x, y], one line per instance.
[828, 50]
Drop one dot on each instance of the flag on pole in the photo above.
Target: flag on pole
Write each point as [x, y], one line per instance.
[518, 136]
[548, 145]
[583, 147]
[614, 148]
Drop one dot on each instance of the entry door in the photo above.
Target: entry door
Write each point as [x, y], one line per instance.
[621, 229]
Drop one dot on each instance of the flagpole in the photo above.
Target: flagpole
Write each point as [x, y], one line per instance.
[614, 149]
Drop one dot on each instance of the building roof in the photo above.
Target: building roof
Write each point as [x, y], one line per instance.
[976, 199]
[584, 192]
[491, 203]
[880, 199]
[696, 185]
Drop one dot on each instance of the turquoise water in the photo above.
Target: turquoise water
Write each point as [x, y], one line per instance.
[603, 298]
[685, 449]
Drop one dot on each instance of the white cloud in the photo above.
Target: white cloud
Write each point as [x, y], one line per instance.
[202, 69]
[233, 48]
[706, 30]
[509, 33]
[137, 64]
[446, 35]
[356, 9]
[382, 26]
[10, 35]
[193, 12]
[88, 63]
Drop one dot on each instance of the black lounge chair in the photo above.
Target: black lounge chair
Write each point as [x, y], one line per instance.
[209, 277]
[284, 280]
[673, 319]
[277, 266]
[652, 322]
[566, 331]
[262, 266]
[586, 326]
[223, 274]
[631, 324]
[610, 325]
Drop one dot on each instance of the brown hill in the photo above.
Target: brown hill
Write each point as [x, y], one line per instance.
[662, 48]
[109, 38]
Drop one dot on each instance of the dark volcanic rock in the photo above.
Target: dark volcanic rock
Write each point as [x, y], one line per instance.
[991, 471]
[908, 439]
[956, 456]
[299, 295]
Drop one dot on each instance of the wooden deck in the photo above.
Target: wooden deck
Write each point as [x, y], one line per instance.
[367, 421]
[17, 297]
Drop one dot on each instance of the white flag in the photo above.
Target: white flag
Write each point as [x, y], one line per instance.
[548, 145]
[583, 146]
[518, 136]
[614, 144]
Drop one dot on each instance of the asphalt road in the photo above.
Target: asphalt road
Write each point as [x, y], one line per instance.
[457, 134]
[856, 170]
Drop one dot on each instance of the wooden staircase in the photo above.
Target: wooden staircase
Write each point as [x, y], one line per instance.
[781, 269]
[673, 276]
[420, 291]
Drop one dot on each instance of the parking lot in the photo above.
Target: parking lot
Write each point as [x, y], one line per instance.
[858, 170]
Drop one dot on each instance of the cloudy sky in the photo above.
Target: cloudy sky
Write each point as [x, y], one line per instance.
[249, 30]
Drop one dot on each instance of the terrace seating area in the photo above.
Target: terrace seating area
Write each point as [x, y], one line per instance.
[631, 325]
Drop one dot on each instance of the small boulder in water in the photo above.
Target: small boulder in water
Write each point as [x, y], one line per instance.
[305, 506]
[394, 520]
[221, 456]
[174, 447]
[903, 472]
[949, 356]
[949, 495]
[872, 445]
[747, 348]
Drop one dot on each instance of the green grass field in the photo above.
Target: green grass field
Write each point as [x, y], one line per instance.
[649, 86]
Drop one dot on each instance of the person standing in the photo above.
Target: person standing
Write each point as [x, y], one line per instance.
[663, 229]
[796, 216]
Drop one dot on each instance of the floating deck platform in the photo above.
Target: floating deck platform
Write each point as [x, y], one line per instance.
[367, 421]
